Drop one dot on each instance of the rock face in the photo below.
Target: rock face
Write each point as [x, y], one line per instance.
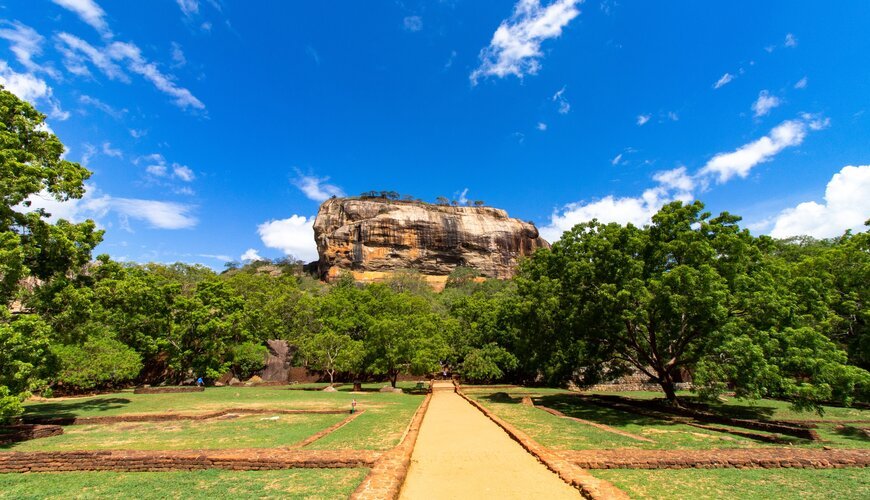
[372, 236]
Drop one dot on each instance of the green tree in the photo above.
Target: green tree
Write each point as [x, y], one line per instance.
[100, 361]
[688, 291]
[405, 335]
[31, 163]
[330, 351]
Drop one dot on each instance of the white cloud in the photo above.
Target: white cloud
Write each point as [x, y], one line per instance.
[78, 52]
[559, 98]
[846, 206]
[93, 205]
[157, 170]
[157, 166]
[463, 197]
[89, 12]
[765, 103]
[293, 236]
[801, 84]
[159, 214]
[616, 159]
[541, 126]
[790, 40]
[26, 44]
[89, 152]
[450, 60]
[108, 150]
[138, 133]
[178, 59]
[642, 119]
[188, 7]
[725, 80]
[100, 105]
[182, 172]
[515, 48]
[739, 162]
[220, 257]
[413, 23]
[635, 210]
[251, 255]
[678, 184]
[673, 116]
[316, 188]
[676, 179]
[24, 85]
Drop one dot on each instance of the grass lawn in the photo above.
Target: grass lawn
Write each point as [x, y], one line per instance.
[249, 431]
[741, 483]
[381, 427]
[564, 434]
[208, 484]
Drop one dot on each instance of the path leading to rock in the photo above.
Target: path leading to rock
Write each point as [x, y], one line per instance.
[462, 454]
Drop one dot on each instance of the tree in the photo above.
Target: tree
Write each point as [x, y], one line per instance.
[404, 335]
[31, 163]
[441, 200]
[679, 294]
[247, 358]
[330, 351]
[98, 362]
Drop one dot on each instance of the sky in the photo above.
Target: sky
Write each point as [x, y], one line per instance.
[214, 128]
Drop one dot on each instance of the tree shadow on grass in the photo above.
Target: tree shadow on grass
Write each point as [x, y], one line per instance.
[743, 411]
[574, 406]
[71, 409]
[852, 433]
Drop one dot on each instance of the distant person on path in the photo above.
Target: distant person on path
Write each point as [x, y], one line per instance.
[199, 382]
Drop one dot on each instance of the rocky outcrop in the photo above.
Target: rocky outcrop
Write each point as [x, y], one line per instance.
[373, 236]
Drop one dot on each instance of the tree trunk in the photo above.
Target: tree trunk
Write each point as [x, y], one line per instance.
[331, 373]
[393, 376]
[667, 383]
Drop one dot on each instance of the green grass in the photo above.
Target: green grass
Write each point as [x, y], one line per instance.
[381, 427]
[761, 409]
[741, 483]
[253, 431]
[208, 484]
[565, 434]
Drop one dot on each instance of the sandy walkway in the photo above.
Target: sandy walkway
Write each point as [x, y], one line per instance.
[462, 454]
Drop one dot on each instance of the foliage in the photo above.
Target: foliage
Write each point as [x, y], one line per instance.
[330, 351]
[688, 292]
[247, 358]
[99, 362]
[485, 364]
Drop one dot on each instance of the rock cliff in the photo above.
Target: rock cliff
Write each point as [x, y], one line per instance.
[373, 236]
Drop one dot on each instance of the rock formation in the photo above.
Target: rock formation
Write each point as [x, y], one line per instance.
[372, 237]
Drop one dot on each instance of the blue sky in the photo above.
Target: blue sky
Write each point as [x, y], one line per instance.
[214, 128]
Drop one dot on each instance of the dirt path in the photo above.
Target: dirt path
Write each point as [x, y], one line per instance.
[462, 454]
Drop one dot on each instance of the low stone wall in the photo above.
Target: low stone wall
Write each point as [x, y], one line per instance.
[26, 432]
[161, 417]
[167, 390]
[160, 461]
[590, 486]
[329, 430]
[385, 479]
[760, 458]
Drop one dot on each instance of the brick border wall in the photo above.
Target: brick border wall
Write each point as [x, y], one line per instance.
[385, 479]
[161, 461]
[741, 458]
[161, 417]
[26, 432]
[329, 430]
[590, 486]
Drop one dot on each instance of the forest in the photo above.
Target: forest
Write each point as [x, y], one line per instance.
[689, 295]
